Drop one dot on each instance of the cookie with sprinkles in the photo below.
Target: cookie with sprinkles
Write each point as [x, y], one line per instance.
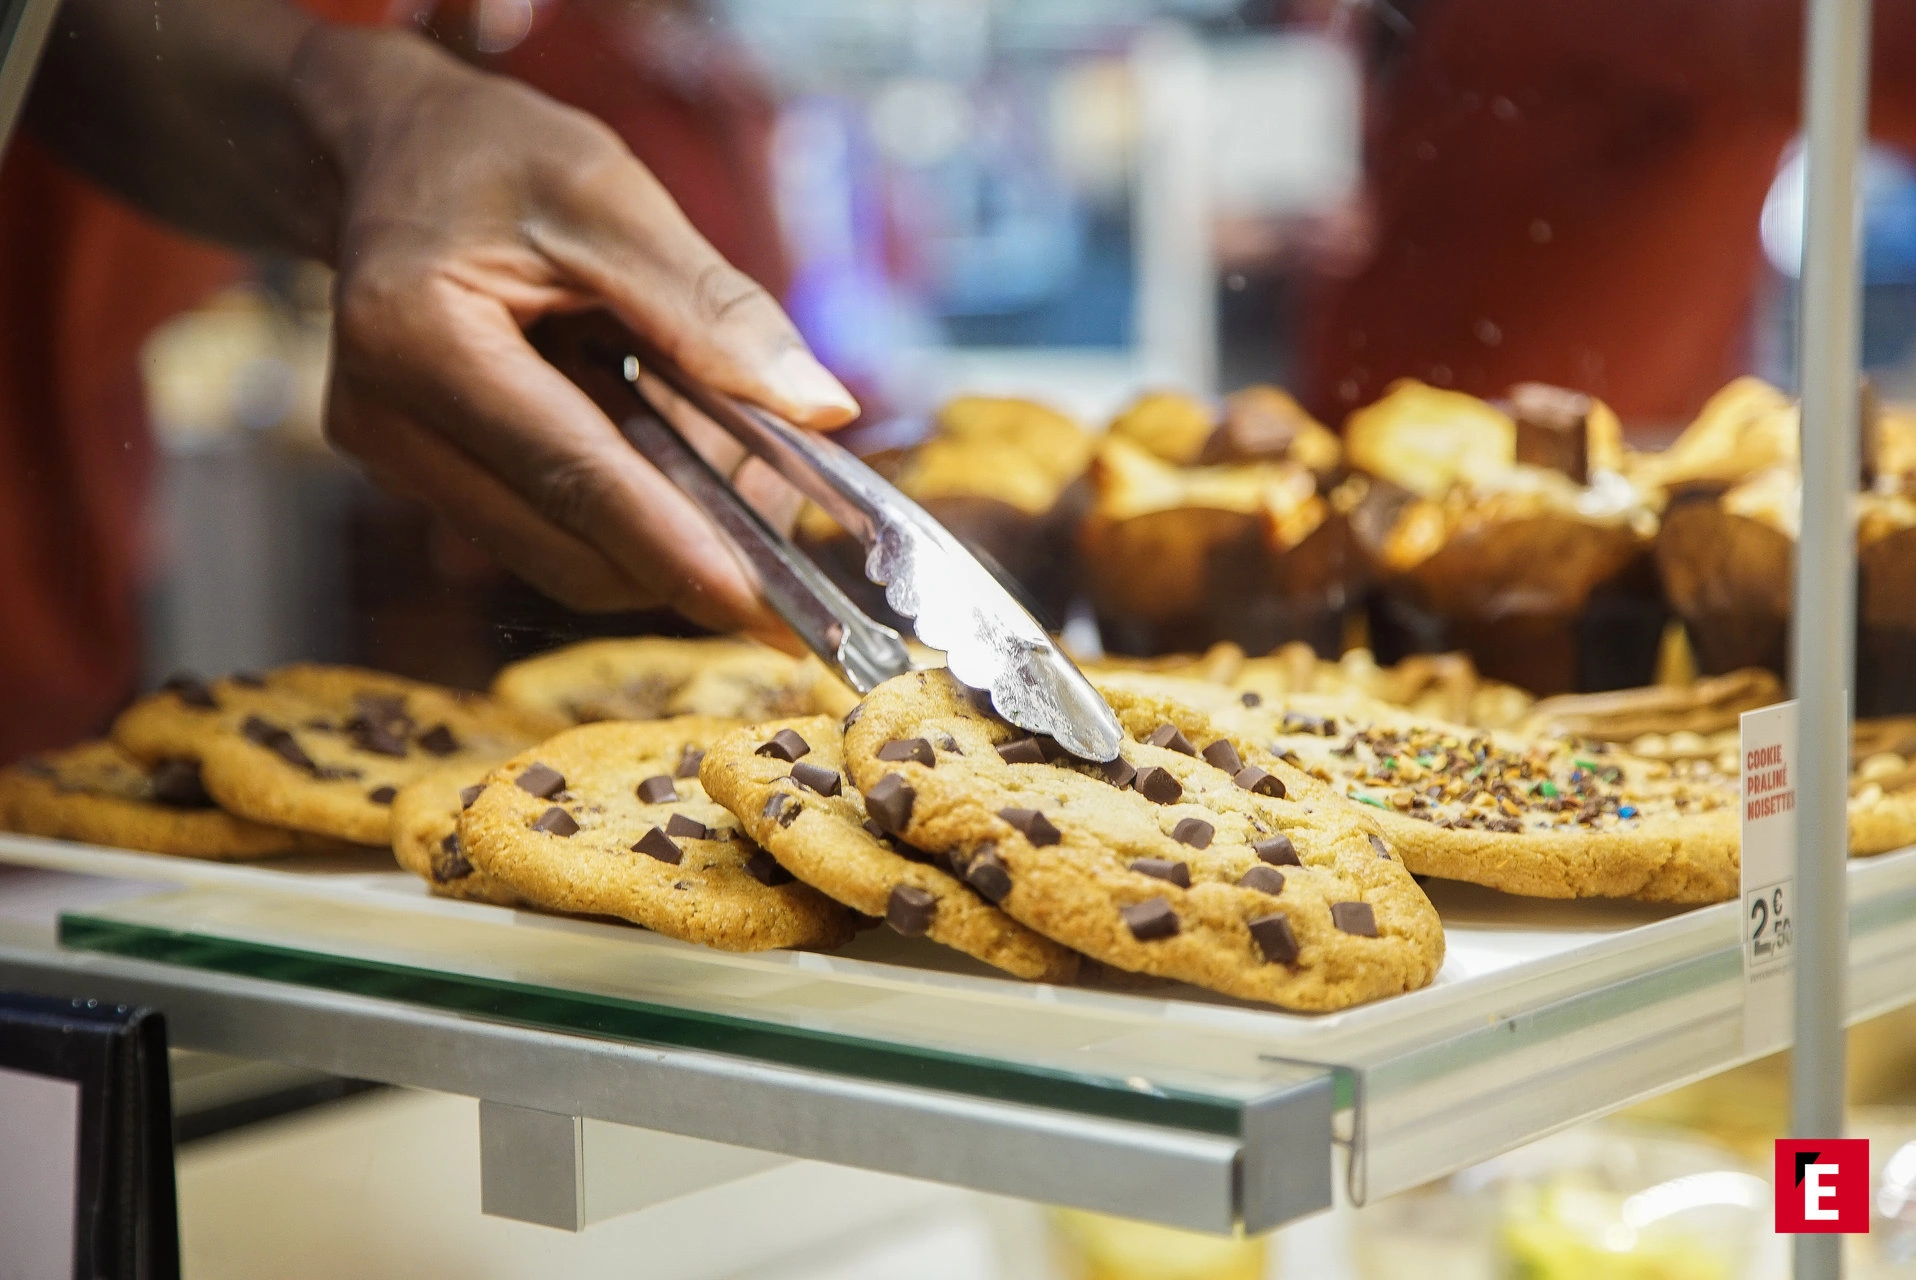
[611, 819]
[425, 834]
[1195, 856]
[804, 813]
[1539, 816]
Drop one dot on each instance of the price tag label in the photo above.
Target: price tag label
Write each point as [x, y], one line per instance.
[1769, 875]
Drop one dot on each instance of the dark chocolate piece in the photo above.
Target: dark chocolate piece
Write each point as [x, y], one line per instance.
[1377, 843]
[1119, 772]
[248, 679]
[468, 794]
[377, 737]
[177, 783]
[1260, 782]
[556, 822]
[681, 827]
[871, 827]
[1274, 938]
[1171, 737]
[1150, 920]
[1251, 699]
[656, 844]
[816, 777]
[1031, 824]
[658, 789]
[1224, 756]
[988, 874]
[385, 708]
[901, 749]
[1354, 917]
[910, 909]
[1263, 879]
[689, 761]
[191, 690]
[541, 780]
[1278, 851]
[1178, 873]
[279, 741]
[764, 868]
[1553, 428]
[781, 806]
[382, 795]
[1022, 751]
[785, 745]
[1195, 832]
[438, 741]
[889, 802]
[1157, 785]
[451, 863]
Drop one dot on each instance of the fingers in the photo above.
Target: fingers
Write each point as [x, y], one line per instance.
[625, 239]
[455, 362]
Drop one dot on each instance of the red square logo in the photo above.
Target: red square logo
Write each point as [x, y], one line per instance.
[1822, 1184]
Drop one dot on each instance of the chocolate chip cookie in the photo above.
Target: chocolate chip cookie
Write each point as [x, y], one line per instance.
[96, 793]
[652, 677]
[611, 819]
[1195, 856]
[324, 749]
[785, 781]
[425, 835]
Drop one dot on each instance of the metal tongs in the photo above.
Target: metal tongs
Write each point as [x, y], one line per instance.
[954, 603]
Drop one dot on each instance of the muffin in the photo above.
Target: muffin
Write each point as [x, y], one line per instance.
[1511, 534]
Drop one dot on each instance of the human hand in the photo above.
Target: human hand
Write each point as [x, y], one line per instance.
[472, 207]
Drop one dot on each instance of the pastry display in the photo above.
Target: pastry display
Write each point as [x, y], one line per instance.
[1233, 537]
[1511, 535]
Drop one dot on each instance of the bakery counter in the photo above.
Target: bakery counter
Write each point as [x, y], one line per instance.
[1152, 1101]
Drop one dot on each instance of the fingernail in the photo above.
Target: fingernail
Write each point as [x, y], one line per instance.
[801, 379]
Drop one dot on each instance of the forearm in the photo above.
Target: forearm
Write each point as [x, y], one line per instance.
[232, 119]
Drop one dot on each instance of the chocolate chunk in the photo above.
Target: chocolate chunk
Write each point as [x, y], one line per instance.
[438, 741]
[948, 743]
[541, 780]
[1274, 938]
[782, 807]
[872, 828]
[683, 828]
[1150, 920]
[656, 844]
[785, 745]
[1256, 780]
[1052, 748]
[764, 868]
[1250, 699]
[1119, 772]
[890, 801]
[377, 737]
[851, 717]
[900, 749]
[1377, 843]
[279, 741]
[334, 773]
[1263, 879]
[556, 822]
[1354, 917]
[1224, 756]
[191, 690]
[1156, 785]
[658, 789]
[1022, 751]
[451, 863]
[384, 708]
[468, 794]
[382, 795]
[1278, 851]
[816, 777]
[1195, 832]
[909, 909]
[1553, 428]
[988, 874]
[248, 679]
[1171, 737]
[1031, 824]
[1178, 873]
[177, 783]
[689, 761]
